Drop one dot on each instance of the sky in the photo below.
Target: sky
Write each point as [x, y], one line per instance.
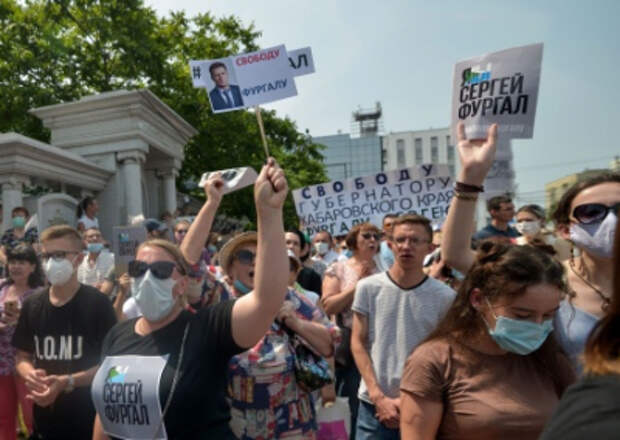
[402, 53]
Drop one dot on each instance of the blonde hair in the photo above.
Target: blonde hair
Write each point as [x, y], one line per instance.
[61, 231]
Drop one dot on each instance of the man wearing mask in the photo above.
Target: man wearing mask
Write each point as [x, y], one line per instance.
[308, 278]
[323, 245]
[58, 338]
[98, 262]
[386, 255]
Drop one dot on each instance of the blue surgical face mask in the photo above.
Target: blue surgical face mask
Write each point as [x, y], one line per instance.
[519, 336]
[348, 253]
[596, 238]
[212, 248]
[19, 222]
[241, 288]
[94, 248]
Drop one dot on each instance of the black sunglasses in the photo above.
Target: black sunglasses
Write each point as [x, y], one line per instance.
[245, 257]
[593, 212]
[159, 269]
[368, 235]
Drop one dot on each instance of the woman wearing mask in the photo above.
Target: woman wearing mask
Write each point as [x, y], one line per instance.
[87, 214]
[530, 224]
[338, 291]
[170, 365]
[586, 216]
[494, 345]
[590, 408]
[24, 275]
[266, 401]
[18, 233]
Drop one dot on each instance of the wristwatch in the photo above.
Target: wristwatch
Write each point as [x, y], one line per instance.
[70, 383]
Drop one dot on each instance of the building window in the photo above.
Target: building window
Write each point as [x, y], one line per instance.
[418, 150]
[450, 150]
[434, 150]
[400, 153]
[448, 140]
[452, 170]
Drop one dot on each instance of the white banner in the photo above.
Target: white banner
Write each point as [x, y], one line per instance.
[499, 87]
[301, 61]
[245, 80]
[339, 205]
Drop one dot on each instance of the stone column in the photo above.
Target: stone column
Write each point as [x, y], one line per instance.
[131, 172]
[12, 196]
[170, 189]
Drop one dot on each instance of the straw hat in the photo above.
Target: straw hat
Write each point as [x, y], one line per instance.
[226, 253]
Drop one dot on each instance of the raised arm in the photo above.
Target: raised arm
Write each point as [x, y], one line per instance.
[198, 232]
[253, 313]
[477, 157]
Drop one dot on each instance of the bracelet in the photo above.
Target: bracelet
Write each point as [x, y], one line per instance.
[467, 188]
[469, 197]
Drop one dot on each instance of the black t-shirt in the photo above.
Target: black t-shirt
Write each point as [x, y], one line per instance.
[65, 339]
[198, 408]
[309, 279]
[589, 409]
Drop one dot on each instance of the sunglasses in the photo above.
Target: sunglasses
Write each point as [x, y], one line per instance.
[593, 212]
[181, 231]
[245, 257]
[159, 269]
[369, 235]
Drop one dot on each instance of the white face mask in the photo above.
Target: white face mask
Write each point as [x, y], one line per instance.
[596, 238]
[153, 296]
[528, 227]
[58, 272]
[321, 248]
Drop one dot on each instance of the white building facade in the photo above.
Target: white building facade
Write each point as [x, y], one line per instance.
[125, 148]
[408, 148]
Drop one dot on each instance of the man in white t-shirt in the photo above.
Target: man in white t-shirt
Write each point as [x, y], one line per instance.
[394, 312]
[323, 246]
[98, 262]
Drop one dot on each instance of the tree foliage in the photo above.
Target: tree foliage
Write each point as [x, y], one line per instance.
[54, 51]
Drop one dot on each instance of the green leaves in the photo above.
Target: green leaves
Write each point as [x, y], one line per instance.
[55, 51]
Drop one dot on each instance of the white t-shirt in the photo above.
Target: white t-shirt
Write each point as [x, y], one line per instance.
[398, 321]
[88, 223]
[92, 275]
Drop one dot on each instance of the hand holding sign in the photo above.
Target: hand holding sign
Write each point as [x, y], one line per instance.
[214, 188]
[271, 188]
[476, 155]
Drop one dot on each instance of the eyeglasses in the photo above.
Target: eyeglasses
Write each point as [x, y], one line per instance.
[159, 269]
[245, 257]
[181, 231]
[414, 241]
[593, 212]
[56, 255]
[369, 235]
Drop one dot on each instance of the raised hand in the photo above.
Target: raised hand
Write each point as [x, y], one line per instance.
[476, 155]
[214, 188]
[271, 188]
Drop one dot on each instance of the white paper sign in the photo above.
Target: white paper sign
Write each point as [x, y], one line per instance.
[339, 205]
[234, 178]
[245, 80]
[125, 242]
[499, 87]
[301, 61]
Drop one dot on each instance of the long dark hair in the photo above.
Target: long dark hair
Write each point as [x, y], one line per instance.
[85, 203]
[24, 252]
[602, 353]
[505, 271]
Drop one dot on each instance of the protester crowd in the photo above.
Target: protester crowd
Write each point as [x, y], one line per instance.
[425, 331]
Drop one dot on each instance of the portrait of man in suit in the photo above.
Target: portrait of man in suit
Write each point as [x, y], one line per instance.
[224, 95]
